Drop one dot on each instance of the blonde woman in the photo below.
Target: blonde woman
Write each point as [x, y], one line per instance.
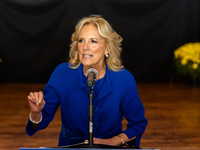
[94, 45]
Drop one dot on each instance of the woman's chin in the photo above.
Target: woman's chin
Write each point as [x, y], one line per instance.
[87, 64]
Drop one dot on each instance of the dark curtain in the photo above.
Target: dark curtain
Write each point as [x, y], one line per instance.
[35, 35]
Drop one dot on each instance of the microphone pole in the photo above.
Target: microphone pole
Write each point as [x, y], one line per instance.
[91, 80]
[90, 115]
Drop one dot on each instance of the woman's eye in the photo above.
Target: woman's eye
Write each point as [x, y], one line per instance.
[80, 41]
[93, 41]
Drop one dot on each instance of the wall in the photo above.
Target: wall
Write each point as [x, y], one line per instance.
[35, 35]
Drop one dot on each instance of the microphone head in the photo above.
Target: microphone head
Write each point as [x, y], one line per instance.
[91, 77]
[92, 70]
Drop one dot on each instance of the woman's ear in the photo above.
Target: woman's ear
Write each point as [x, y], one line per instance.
[106, 52]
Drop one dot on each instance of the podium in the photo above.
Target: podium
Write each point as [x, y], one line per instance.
[88, 147]
[75, 149]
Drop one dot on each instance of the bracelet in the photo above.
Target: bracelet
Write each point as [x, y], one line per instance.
[36, 122]
[122, 140]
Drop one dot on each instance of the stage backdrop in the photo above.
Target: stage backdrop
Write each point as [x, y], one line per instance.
[35, 34]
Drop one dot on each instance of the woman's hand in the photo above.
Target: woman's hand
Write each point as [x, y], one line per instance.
[114, 141]
[36, 103]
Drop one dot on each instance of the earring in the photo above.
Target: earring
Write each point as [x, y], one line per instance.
[106, 55]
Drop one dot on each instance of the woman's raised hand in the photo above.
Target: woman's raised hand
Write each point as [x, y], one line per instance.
[36, 101]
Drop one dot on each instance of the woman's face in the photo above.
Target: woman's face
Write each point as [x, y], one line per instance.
[91, 47]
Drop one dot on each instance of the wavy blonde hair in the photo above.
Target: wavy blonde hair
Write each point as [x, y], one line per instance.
[112, 39]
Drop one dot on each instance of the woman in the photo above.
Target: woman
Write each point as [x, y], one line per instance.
[94, 45]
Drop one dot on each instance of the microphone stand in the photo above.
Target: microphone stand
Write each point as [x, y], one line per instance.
[90, 115]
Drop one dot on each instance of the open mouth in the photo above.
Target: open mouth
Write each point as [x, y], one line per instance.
[87, 55]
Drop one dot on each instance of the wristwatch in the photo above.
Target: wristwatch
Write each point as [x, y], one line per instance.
[122, 140]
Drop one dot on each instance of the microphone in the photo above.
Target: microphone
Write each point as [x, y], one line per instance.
[91, 77]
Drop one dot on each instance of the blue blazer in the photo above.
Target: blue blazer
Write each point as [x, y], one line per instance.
[115, 97]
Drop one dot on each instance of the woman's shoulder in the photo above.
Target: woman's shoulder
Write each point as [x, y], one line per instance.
[62, 67]
[62, 75]
[122, 73]
[122, 77]
[62, 71]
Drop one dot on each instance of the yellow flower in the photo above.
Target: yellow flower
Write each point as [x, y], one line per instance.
[176, 54]
[187, 59]
[184, 61]
[197, 47]
[195, 66]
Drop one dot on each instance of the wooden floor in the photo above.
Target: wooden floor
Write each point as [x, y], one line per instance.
[173, 112]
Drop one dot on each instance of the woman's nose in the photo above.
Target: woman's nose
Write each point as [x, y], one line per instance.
[86, 46]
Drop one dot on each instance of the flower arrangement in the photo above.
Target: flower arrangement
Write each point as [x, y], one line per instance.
[187, 59]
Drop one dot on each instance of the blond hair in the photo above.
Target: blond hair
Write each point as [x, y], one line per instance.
[112, 39]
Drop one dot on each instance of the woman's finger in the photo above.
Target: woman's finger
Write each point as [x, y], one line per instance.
[34, 97]
[30, 99]
[40, 97]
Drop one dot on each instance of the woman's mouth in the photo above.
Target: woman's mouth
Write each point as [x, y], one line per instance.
[87, 55]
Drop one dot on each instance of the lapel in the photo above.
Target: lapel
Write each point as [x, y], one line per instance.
[82, 78]
[107, 86]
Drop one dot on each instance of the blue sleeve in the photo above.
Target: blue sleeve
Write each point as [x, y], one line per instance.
[133, 110]
[48, 111]
[51, 97]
